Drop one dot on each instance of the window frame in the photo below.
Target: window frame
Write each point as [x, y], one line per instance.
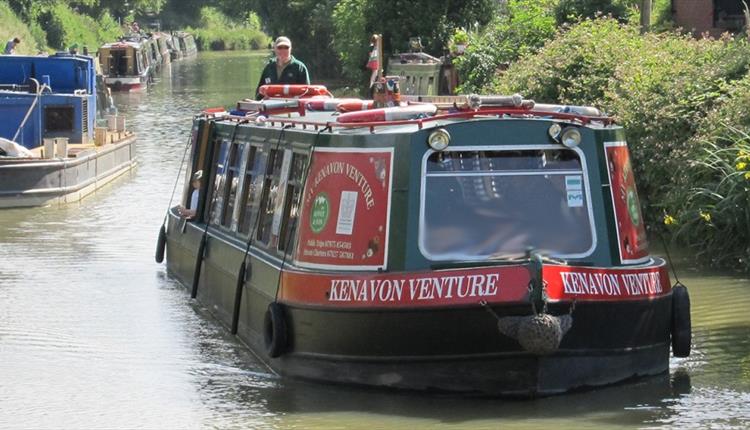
[453, 257]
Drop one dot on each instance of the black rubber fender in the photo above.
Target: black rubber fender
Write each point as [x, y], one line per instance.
[161, 244]
[198, 265]
[681, 325]
[274, 330]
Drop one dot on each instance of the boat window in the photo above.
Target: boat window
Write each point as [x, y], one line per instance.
[499, 203]
[231, 181]
[247, 198]
[292, 201]
[268, 196]
[58, 118]
[217, 195]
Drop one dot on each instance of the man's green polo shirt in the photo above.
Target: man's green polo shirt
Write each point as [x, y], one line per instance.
[294, 73]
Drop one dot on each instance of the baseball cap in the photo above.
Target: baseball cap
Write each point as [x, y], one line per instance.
[282, 41]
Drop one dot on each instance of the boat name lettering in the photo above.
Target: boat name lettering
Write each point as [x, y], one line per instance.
[350, 171]
[417, 289]
[611, 284]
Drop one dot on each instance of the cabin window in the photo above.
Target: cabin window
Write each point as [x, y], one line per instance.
[217, 194]
[480, 204]
[268, 196]
[231, 182]
[247, 198]
[292, 201]
[58, 118]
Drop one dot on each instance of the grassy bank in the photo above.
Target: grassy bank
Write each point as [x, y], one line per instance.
[12, 26]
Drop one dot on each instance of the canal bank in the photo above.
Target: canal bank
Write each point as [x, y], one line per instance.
[94, 334]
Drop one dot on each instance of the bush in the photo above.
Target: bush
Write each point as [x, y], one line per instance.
[65, 28]
[524, 27]
[575, 10]
[709, 202]
[659, 87]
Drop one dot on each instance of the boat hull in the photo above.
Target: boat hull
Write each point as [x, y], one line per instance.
[441, 348]
[135, 83]
[39, 182]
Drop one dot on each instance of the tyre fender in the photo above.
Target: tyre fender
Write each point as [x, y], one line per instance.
[274, 330]
[681, 325]
[161, 244]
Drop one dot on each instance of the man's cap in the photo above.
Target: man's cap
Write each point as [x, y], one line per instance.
[282, 41]
[197, 176]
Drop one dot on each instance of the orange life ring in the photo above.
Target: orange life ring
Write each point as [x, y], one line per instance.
[355, 105]
[397, 113]
[327, 104]
[281, 90]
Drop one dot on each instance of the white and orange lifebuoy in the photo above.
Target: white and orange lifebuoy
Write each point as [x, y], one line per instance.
[281, 90]
[354, 105]
[327, 104]
[397, 113]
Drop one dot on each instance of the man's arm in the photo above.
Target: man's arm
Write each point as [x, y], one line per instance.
[262, 81]
[304, 75]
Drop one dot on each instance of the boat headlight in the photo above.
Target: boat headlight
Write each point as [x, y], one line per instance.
[571, 137]
[439, 139]
[554, 131]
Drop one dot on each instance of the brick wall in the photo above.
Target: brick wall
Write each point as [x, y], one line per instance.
[694, 15]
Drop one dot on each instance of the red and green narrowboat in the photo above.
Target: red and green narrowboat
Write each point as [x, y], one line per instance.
[461, 244]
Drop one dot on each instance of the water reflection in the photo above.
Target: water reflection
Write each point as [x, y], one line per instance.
[94, 334]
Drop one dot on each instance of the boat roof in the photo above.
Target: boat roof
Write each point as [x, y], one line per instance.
[311, 120]
[63, 70]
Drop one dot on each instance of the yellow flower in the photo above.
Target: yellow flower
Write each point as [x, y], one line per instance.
[743, 155]
[747, 176]
[669, 219]
[741, 165]
[705, 215]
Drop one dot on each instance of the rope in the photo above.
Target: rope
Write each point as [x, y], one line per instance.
[177, 179]
[302, 197]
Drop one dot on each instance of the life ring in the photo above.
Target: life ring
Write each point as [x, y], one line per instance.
[355, 105]
[274, 330]
[328, 104]
[161, 244]
[280, 90]
[397, 113]
[681, 326]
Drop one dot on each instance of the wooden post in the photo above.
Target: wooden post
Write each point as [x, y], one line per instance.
[380, 56]
[645, 15]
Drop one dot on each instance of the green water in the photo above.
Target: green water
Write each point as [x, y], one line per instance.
[94, 334]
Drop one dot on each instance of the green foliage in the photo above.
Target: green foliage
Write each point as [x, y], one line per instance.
[12, 26]
[350, 29]
[710, 199]
[661, 88]
[218, 32]
[576, 10]
[65, 28]
[522, 29]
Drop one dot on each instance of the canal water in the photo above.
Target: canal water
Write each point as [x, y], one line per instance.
[94, 334]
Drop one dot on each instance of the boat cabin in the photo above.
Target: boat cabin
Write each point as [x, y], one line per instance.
[45, 97]
[482, 244]
[125, 64]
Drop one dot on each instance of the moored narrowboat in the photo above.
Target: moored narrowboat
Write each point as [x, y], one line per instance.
[50, 148]
[125, 65]
[186, 44]
[476, 245]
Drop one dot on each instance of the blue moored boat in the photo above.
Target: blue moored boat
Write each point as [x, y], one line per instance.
[49, 152]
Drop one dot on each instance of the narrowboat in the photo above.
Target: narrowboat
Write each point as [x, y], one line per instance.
[50, 148]
[186, 44]
[125, 65]
[471, 244]
[162, 46]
